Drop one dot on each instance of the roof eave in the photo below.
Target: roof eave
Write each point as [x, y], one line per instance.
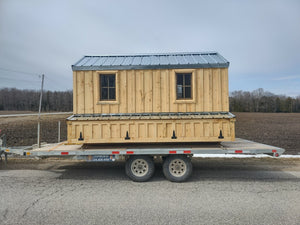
[146, 67]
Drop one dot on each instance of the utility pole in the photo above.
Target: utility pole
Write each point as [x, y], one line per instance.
[39, 116]
[58, 138]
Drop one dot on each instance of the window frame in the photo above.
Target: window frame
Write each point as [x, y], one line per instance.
[108, 87]
[184, 86]
[98, 87]
[193, 86]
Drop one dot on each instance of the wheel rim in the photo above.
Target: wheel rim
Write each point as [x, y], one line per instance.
[177, 167]
[139, 167]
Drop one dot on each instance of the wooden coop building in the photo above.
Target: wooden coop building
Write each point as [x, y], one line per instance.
[151, 98]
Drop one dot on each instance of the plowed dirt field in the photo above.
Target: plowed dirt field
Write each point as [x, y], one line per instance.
[278, 129]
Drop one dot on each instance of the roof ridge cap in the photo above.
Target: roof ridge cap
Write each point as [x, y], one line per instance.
[155, 54]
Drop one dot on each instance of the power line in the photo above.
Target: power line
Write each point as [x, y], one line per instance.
[30, 74]
[55, 82]
[17, 71]
[17, 79]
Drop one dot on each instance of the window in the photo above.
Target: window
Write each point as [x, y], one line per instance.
[107, 87]
[184, 85]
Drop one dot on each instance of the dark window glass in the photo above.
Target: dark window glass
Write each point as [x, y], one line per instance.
[179, 79]
[104, 93]
[112, 93]
[187, 92]
[184, 85]
[187, 79]
[104, 80]
[107, 87]
[111, 81]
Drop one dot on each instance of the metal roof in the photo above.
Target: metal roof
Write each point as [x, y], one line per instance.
[152, 61]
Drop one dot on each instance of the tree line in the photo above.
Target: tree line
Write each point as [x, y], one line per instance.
[262, 101]
[28, 100]
[239, 101]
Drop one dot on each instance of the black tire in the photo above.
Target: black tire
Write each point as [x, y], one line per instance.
[140, 168]
[177, 168]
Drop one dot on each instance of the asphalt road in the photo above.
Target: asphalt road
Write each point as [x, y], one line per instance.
[221, 191]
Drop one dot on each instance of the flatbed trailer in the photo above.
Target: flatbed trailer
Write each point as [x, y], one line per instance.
[139, 165]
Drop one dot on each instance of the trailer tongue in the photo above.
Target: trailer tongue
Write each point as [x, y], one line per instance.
[177, 164]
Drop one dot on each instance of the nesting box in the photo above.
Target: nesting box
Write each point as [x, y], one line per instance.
[151, 98]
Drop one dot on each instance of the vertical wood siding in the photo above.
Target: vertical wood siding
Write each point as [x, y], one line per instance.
[151, 130]
[142, 91]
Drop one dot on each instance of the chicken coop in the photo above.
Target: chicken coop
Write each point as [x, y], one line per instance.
[151, 98]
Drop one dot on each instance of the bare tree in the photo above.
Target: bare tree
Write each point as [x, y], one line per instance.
[28, 100]
[262, 101]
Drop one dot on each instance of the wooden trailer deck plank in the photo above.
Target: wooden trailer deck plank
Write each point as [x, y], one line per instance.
[239, 144]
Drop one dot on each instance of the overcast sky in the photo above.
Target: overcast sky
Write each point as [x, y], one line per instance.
[261, 39]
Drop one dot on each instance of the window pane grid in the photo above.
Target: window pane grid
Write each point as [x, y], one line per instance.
[184, 85]
[107, 87]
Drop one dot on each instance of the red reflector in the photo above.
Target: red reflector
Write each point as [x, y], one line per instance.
[187, 152]
[64, 153]
[274, 150]
[129, 152]
[116, 152]
[238, 151]
[172, 152]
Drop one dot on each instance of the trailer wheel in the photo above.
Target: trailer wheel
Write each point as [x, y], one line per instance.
[140, 168]
[177, 168]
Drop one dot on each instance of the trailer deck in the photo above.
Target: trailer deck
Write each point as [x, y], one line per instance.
[240, 146]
